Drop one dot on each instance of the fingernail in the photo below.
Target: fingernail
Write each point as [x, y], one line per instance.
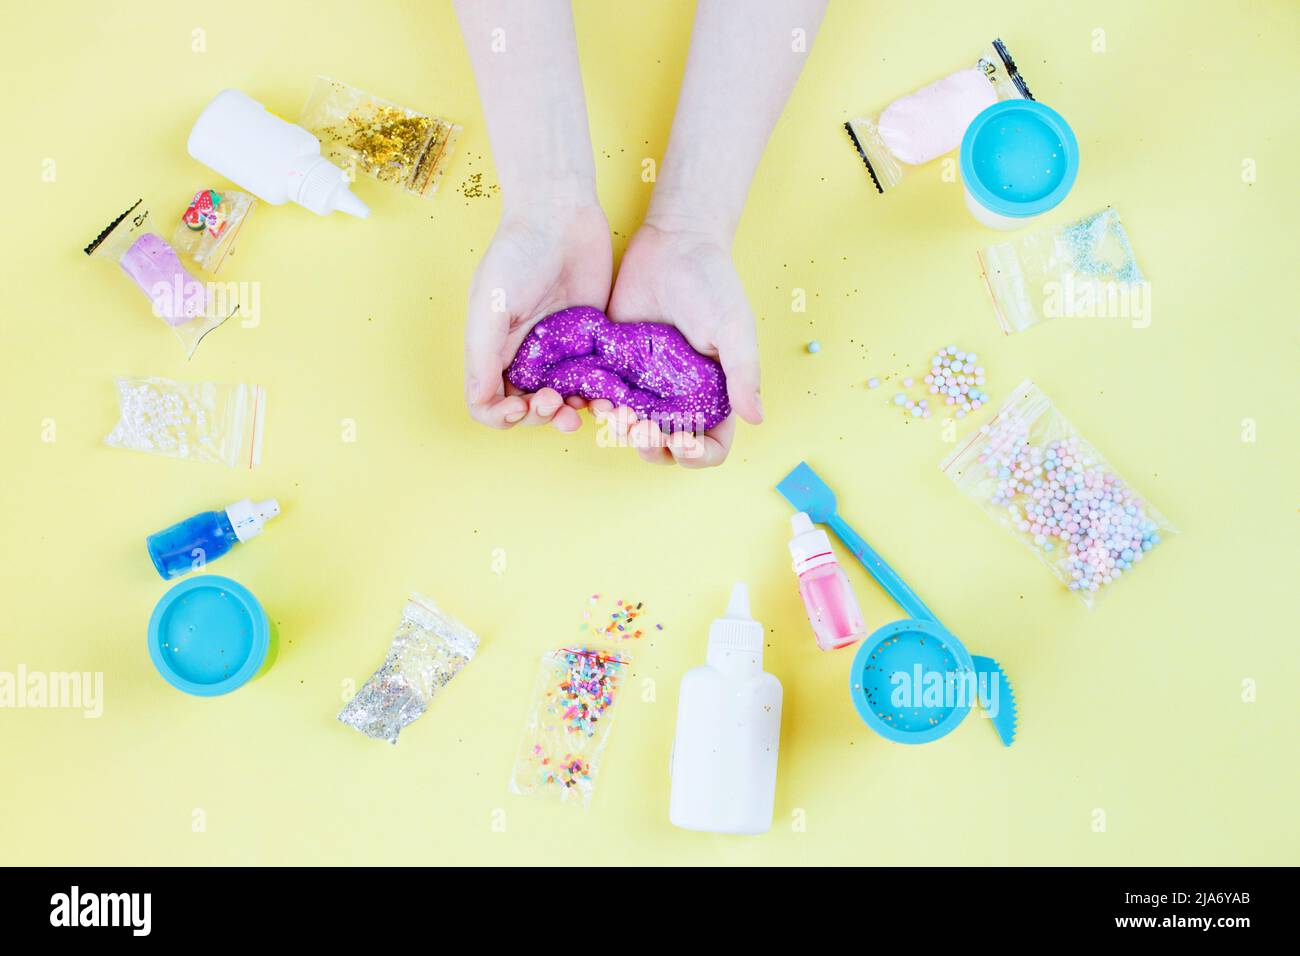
[514, 417]
[546, 410]
[758, 404]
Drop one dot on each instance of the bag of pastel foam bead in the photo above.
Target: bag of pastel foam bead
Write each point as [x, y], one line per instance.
[196, 421]
[1084, 269]
[569, 724]
[1032, 471]
[192, 308]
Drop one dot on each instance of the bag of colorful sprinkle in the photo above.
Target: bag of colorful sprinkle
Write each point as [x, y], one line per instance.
[926, 124]
[179, 299]
[393, 144]
[430, 648]
[1035, 474]
[1085, 269]
[209, 227]
[568, 727]
[196, 421]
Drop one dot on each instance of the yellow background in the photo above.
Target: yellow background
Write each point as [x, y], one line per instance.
[1134, 708]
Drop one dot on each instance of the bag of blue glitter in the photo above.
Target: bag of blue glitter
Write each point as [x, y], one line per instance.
[1084, 269]
[568, 726]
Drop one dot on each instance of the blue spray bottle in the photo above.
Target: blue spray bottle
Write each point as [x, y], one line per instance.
[196, 541]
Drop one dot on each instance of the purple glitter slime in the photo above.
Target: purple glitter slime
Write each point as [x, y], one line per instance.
[646, 366]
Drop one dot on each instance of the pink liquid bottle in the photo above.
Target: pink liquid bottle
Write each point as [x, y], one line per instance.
[832, 607]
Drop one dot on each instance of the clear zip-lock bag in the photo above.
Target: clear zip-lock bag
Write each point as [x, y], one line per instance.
[194, 421]
[1083, 269]
[393, 144]
[429, 649]
[929, 122]
[568, 726]
[209, 227]
[178, 298]
[1032, 471]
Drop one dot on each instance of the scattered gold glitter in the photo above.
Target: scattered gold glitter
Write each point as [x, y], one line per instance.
[474, 188]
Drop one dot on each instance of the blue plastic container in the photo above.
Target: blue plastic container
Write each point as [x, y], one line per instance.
[1019, 159]
[913, 649]
[208, 635]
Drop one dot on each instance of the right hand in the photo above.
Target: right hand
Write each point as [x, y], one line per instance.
[545, 256]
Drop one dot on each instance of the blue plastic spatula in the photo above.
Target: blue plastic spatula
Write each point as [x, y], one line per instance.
[1001, 712]
[808, 493]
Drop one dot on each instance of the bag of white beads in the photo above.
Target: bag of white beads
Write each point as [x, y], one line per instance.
[1036, 475]
[1084, 269]
[929, 122]
[196, 421]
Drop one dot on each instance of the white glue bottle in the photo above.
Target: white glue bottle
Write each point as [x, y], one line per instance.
[728, 730]
[276, 161]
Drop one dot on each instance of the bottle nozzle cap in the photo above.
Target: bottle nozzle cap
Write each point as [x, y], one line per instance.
[324, 188]
[345, 201]
[736, 639]
[810, 547]
[248, 518]
[738, 605]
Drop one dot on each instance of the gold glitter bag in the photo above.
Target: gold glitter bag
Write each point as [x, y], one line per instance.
[361, 132]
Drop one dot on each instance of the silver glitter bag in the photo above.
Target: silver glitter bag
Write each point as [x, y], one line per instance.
[429, 649]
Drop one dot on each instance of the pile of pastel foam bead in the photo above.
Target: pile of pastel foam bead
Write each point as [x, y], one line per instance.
[918, 409]
[954, 375]
[1061, 492]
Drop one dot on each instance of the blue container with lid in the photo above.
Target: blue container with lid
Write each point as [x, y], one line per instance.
[1019, 159]
[208, 635]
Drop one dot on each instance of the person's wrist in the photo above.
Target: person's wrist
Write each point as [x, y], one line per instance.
[544, 192]
[676, 209]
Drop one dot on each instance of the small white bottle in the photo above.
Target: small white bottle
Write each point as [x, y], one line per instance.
[276, 161]
[728, 731]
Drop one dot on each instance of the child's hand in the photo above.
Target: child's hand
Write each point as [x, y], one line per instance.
[685, 277]
[543, 258]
